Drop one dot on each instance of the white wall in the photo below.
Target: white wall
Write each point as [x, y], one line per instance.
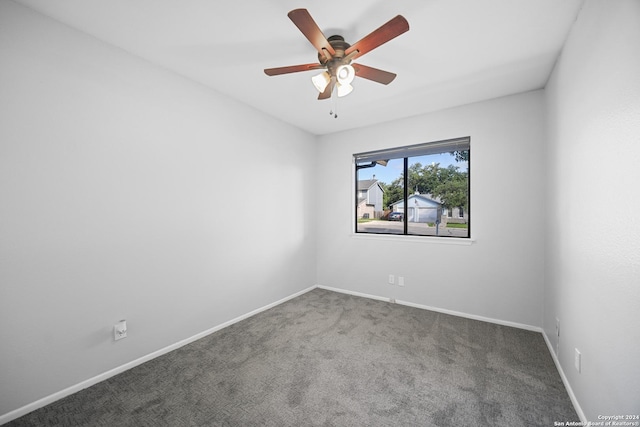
[593, 242]
[500, 276]
[122, 190]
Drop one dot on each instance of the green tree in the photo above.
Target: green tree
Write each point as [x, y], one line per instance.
[393, 192]
[452, 188]
[461, 156]
[424, 179]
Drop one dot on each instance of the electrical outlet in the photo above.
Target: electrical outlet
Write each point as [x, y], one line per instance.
[577, 361]
[392, 279]
[120, 330]
[400, 281]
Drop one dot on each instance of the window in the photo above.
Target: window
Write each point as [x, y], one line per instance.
[413, 190]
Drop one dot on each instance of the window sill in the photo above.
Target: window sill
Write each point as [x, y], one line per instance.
[414, 239]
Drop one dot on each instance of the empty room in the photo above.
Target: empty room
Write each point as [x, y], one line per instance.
[320, 213]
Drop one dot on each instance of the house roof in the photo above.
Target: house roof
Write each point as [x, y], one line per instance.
[420, 197]
[366, 184]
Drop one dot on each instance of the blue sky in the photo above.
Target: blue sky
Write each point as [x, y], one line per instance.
[393, 169]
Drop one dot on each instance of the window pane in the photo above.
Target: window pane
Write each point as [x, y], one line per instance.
[377, 188]
[438, 182]
[423, 209]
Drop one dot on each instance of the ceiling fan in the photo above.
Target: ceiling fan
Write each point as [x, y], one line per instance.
[335, 55]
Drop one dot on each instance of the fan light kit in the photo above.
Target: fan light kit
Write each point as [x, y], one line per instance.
[335, 56]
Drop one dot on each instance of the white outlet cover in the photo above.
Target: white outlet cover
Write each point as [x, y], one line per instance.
[120, 330]
[578, 360]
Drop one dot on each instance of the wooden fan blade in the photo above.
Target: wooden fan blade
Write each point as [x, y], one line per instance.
[292, 69]
[328, 90]
[374, 74]
[386, 32]
[310, 29]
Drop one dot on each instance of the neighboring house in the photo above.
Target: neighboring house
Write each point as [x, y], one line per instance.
[455, 215]
[426, 208]
[421, 208]
[370, 194]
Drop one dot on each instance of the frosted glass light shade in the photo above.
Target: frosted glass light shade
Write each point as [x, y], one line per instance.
[345, 74]
[344, 89]
[321, 81]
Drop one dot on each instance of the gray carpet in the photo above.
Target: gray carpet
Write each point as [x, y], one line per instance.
[329, 359]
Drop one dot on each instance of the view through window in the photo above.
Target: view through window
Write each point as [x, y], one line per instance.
[414, 190]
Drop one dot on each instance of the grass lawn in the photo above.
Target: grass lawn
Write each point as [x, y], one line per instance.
[454, 225]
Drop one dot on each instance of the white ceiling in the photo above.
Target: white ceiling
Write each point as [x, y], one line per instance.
[456, 51]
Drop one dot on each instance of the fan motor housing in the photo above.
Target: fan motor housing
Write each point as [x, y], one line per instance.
[339, 45]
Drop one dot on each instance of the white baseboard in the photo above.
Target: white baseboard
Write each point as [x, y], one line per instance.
[17, 413]
[474, 317]
[357, 294]
[439, 310]
[565, 381]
